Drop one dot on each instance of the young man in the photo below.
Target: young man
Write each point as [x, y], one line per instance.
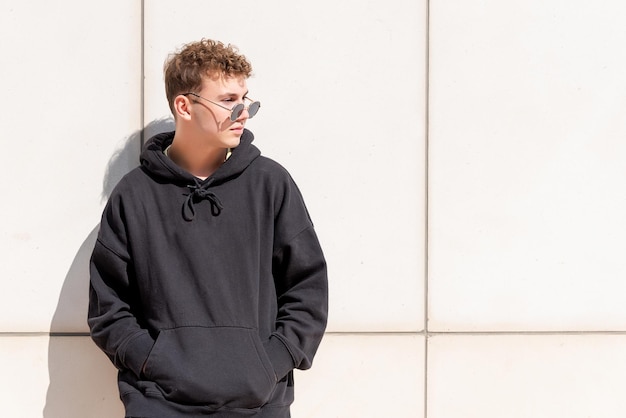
[208, 284]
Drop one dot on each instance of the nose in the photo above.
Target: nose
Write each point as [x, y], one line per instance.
[243, 115]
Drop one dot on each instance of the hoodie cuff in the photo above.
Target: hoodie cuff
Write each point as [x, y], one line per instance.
[136, 352]
[279, 356]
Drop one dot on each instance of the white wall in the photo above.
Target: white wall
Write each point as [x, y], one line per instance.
[527, 161]
[511, 186]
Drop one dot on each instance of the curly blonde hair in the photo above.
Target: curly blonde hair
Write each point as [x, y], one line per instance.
[185, 69]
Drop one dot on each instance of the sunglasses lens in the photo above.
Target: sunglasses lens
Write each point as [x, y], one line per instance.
[253, 108]
[236, 113]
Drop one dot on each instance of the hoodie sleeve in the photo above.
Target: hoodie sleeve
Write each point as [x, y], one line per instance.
[112, 322]
[300, 275]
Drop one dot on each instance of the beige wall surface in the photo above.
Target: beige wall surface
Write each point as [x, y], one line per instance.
[462, 160]
[527, 158]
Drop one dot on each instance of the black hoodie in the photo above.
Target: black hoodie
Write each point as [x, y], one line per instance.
[207, 294]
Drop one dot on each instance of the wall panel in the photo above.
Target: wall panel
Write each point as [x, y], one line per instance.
[527, 157]
[71, 100]
[520, 376]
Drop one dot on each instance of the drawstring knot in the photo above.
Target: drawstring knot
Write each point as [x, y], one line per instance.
[196, 194]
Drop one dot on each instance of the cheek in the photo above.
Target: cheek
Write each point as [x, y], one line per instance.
[224, 124]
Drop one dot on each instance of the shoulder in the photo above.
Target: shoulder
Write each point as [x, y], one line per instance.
[273, 177]
[133, 177]
[271, 169]
[270, 165]
[130, 185]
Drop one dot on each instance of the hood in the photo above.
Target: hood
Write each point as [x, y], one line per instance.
[158, 165]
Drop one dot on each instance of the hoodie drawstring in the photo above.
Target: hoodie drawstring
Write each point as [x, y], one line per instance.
[197, 193]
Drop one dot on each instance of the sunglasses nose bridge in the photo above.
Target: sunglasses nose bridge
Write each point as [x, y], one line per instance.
[238, 110]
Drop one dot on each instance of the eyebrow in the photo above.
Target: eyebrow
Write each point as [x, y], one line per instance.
[234, 94]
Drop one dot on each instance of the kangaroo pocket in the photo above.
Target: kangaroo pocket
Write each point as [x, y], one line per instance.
[217, 367]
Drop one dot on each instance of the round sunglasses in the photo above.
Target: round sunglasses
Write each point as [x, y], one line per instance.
[235, 112]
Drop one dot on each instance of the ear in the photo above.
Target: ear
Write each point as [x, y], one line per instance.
[182, 107]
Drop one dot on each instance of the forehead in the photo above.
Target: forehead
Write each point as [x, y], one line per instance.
[221, 84]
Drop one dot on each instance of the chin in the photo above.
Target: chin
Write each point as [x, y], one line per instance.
[233, 143]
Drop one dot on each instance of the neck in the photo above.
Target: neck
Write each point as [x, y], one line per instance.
[195, 157]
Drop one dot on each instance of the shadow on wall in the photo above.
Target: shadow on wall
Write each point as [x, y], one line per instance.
[82, 379]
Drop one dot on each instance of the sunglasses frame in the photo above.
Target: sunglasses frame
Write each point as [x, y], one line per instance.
[237, 110]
